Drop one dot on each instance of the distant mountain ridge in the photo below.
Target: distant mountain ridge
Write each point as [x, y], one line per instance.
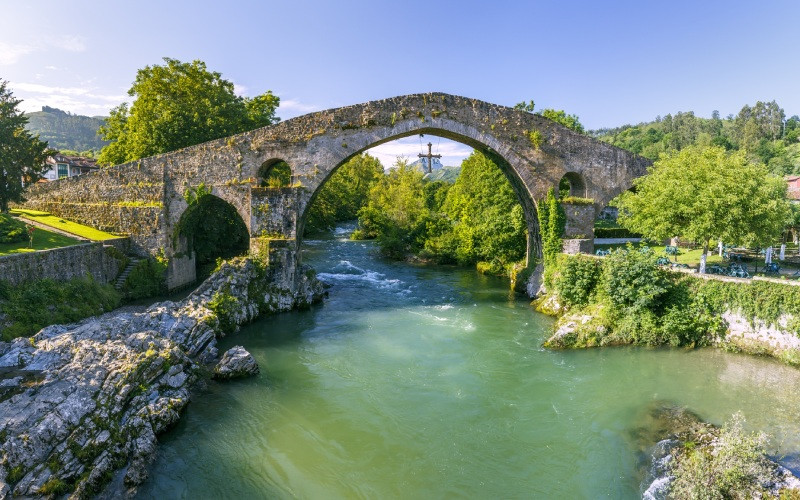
[65, 131]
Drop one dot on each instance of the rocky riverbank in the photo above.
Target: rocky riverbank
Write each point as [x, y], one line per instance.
[685, 457]
[81, 405]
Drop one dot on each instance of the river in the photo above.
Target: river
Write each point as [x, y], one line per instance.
[422, 382]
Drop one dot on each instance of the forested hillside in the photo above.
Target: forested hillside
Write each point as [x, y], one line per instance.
[65, 131]
[761, 130]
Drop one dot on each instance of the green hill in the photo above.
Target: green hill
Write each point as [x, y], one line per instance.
[65, 131]
[762, 130]
[447, 174]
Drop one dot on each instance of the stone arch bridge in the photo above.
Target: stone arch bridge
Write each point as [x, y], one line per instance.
[145, 198]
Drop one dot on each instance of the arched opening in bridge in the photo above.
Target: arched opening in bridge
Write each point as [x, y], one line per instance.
[572, 184]
[470, 209]
[212, 229]
[275, 173]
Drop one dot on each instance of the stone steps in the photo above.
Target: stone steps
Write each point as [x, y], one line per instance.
[125, 272]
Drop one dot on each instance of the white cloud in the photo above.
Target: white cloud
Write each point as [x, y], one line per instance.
[71, 43]
[239, 89]
[296, 107]
[453, 153]
[11, 53]
[37, 88]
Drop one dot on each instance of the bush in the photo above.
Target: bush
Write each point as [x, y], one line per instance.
[577, 280]
[631, 279]
[12, 230]
[732, 467]
[147, 279]
[31, 306]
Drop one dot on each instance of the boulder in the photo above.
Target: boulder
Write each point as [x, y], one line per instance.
[235, 363]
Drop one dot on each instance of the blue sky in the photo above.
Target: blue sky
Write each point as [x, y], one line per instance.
[611, 63]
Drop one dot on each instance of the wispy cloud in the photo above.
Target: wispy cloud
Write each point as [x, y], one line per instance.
[71, 91]
[70, 43]
[11, 53]
[296, 107]
[80, 100]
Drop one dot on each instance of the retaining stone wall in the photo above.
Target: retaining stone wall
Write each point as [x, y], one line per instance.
[575, 246]
[61, 264]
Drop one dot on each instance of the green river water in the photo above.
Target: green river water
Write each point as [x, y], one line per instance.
[420, 382]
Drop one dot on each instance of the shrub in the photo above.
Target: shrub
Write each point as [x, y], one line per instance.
[225, 305]
[146, 279]
[732, 467]
[576, 200]
[31, 306]
[12, 230]
[631, 279]
[577, 280]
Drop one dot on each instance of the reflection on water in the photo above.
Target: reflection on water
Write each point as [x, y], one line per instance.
[416, 382]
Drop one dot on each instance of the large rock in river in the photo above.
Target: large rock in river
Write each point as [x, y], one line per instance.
[235, 363]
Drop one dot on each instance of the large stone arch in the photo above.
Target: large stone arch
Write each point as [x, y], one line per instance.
[451, 130]
[145, 198]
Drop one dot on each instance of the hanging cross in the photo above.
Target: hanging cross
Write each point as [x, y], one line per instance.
[430, 156]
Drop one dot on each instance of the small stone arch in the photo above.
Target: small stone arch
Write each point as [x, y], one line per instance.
[572, 184]
[209, 228]
[274, 173]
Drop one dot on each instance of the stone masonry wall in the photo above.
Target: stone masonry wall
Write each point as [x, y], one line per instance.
[141, 224]
[61, 264]
[580, 221]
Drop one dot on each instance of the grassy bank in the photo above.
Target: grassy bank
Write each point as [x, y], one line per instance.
[42, 240]
[70, 227]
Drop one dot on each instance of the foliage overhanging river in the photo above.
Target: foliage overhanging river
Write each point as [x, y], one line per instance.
[421, 382]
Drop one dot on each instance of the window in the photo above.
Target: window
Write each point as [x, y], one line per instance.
[62, 170]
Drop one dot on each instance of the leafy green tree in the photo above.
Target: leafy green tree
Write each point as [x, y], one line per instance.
[704, 195]
[344, 193]
[487, 220]
[396, 214]
[22, 155]
[178, 105]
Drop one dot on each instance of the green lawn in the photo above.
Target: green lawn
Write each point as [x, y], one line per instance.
[42, 240]
[45, 218]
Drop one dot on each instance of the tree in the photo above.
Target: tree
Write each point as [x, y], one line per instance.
[22, 155]
[704, 195]
[344, 193]
[179, 105]
[486, 220]
[396, 214]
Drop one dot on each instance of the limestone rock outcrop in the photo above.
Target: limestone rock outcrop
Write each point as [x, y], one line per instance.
[236, 363]
[84, 403]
